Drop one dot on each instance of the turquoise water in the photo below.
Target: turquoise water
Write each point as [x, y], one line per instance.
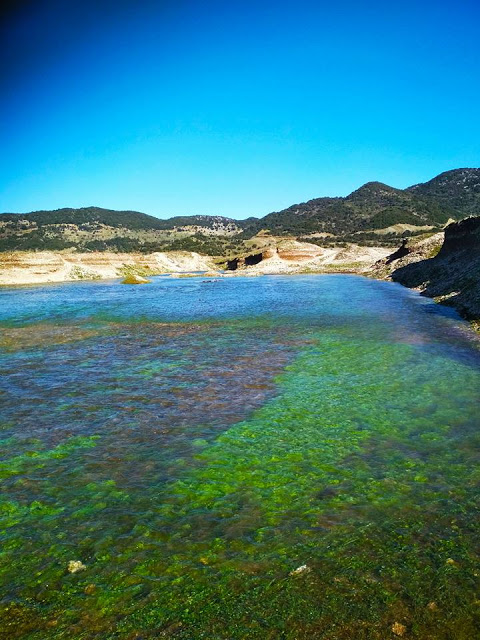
[192, 443]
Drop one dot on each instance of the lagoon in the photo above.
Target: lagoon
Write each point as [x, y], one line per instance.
[193, 443]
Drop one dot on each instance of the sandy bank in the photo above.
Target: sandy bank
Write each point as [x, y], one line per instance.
[35, 267]
[301, 257]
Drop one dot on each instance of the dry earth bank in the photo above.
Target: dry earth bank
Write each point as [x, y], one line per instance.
[286, 256]
[32, 267]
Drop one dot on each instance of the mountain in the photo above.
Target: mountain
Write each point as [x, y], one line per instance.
[97, 229]
[86, 216]
[373, 214]
[372, 207]
[96, 216]
[458, 189]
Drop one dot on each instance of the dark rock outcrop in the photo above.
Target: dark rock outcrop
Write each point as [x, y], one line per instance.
[253, 259]
[234, 264]
[249, 260]
[401, 252]
[447, 271]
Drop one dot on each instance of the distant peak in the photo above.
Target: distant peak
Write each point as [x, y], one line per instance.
[370, 188]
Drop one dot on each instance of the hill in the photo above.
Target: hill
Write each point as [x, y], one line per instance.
[376, 206]
[458, 190]
[117, 219]
[375, 214]
[97, 229]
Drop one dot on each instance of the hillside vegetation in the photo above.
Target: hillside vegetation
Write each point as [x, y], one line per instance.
[375, 214]
[459, 190]
[374, 206]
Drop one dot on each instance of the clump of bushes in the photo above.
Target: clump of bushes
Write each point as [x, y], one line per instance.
[80, 273]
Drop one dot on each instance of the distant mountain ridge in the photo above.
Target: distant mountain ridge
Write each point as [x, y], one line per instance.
[453, 194]
[112, 218]
[98, 229]
[374, 207]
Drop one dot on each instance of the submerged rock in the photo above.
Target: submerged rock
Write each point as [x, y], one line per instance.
[74, 566]
[132, 278]
[399, 629]
[303, 569]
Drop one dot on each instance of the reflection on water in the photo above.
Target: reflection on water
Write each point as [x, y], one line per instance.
[192, 443]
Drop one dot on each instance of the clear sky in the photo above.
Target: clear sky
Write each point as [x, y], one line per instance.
[231, 108]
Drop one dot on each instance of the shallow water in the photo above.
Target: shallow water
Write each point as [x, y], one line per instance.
[194, 442]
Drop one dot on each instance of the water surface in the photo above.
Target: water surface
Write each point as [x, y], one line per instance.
[194, 442]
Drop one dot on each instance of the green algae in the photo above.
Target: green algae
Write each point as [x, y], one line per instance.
[11, 513]
[143, 271]
[32, 459]
[344, 471]
[134, 279]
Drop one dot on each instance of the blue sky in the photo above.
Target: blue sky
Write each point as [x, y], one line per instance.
[231, 108]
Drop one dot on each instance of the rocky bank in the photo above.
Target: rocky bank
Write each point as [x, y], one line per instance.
[444, 266]
[283, 255]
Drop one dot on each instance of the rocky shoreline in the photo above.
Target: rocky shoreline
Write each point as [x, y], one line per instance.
[444, 266]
